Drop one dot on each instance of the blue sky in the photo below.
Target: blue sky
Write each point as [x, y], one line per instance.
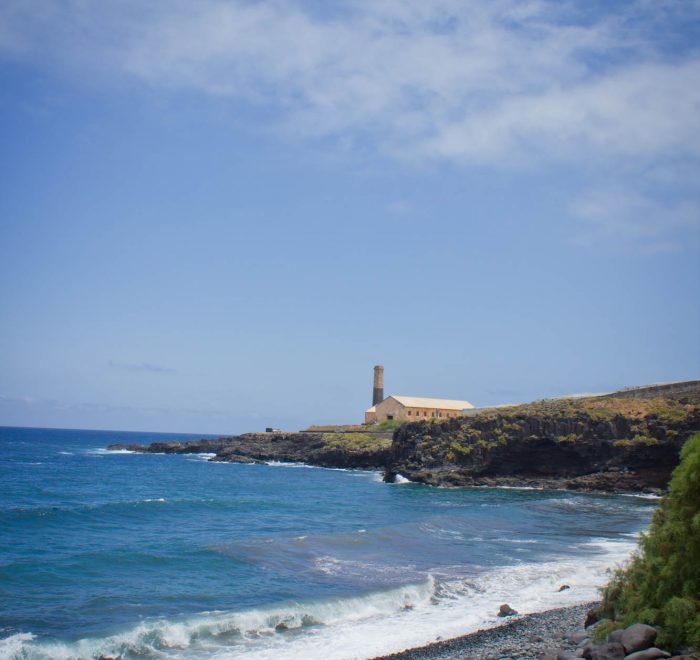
[217, 216]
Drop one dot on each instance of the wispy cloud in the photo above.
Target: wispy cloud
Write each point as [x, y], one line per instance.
[627, 217]
[400, 207]
[141, 366]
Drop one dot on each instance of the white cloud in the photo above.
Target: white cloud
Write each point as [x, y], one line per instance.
[489, 81]
[503, 83]
[624, 217]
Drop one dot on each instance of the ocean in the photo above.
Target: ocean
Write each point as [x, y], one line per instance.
[171, 556]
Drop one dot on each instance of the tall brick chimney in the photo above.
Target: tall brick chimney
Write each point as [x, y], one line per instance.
[378, 391]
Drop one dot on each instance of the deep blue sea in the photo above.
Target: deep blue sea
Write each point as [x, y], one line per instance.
[166, 556]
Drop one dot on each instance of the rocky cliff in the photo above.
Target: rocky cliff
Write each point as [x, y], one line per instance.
[587, 444]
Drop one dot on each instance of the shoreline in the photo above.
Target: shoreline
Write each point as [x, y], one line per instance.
[530, 636]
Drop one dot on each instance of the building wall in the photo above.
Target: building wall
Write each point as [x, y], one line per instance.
[392, 409]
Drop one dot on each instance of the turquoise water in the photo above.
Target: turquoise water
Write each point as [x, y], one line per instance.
[172, 556]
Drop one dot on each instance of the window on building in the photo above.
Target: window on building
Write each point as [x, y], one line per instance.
[409, 413]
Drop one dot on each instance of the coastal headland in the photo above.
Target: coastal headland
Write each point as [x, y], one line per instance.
[607, 444]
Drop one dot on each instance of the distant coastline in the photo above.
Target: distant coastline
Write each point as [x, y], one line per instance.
[597, 444]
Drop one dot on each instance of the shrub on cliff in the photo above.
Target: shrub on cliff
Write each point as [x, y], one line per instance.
[661, 584]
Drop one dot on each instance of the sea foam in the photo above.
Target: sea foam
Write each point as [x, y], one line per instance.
[375, 623]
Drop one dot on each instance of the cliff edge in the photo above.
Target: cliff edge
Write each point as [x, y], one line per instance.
[603, 443]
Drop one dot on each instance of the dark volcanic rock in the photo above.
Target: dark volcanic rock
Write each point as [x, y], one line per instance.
[327, 450]
[592, 616]
[311, 448]
[506, 610]
[608, 651]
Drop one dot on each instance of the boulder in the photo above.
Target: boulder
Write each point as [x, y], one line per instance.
[616, 636]
[587, 649]
[564, 587]
[648, 654]
[592, 616]
[638, 637]
[506, 610]
[608, 651]
[578, 637]
[567, 655]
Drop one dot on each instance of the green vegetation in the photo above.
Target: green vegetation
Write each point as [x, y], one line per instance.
[457, 451]
[661, 584]
[636, 441]
[387, 425]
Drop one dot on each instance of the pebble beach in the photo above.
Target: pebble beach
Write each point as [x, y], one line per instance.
[525, 637]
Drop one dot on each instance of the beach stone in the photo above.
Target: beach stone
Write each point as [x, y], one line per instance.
[579, 636]
[587, 649]
[648, 654]
[506, 610]
[566, 655]
[638, 637]
[608, 651]
[564, 587]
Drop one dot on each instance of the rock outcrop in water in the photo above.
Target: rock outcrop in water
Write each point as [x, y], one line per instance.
[339, 450]
[581, 444]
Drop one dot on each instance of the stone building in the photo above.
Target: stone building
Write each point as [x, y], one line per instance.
[415, 408]
[409, 408]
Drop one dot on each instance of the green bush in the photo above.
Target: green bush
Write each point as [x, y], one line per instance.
[636, 440]
[661, 584]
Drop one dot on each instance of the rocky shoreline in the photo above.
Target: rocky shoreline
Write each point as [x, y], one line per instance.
[558, 634]
[335, 450]
[530, 636]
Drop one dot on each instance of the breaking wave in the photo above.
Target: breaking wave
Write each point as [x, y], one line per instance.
[237, 632]
[371, 624]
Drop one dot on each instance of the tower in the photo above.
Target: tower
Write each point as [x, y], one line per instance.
[378, 391]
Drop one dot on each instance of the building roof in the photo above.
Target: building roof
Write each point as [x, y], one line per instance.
[372, 409]
[421, 402]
